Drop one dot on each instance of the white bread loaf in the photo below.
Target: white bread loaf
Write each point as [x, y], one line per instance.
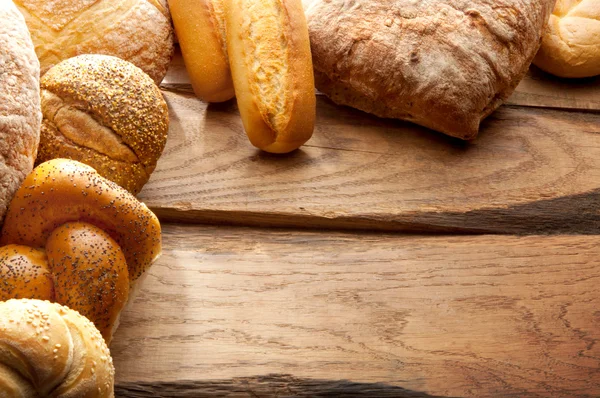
[138, 31]
[571, 42]
[48, 350]
[20, 115]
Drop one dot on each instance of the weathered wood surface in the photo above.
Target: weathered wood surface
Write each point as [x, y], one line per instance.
[226, 310]
[530, 171]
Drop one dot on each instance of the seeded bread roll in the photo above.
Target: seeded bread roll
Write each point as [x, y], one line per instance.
[20, 115]
[200, 28]
[138, 31]
[107, 113]
[48, 350]
[270, 59]
[571, 42]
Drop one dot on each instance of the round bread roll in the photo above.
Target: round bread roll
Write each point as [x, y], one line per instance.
[571, 42]
[138, 31]
[47, 349]
[20, 115]
[107, 113]
[271, 65]
[200, 28]
[61, 191]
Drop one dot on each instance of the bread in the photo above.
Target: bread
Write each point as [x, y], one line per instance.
[61, 191]
[270, 60]
[571, 43]
[107, 113]
[200, 28]
[443, 64]
[20, 115]
[48, 350]
[138, 31]
[77, 239]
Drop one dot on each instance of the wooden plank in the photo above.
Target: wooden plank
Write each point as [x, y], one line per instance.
[537, 89]
[244, 312]
[530, 171]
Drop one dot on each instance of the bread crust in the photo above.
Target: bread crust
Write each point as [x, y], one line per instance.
[20, 114]
[444, 64]
[571, 42]
[138, 31]
[47, 349]
[269, 55]
[199, 25]
[104, 112]
[61, 191]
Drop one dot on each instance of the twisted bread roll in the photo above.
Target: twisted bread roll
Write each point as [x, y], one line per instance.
[571, 42]
[20, 115]
[61, 191]
[200, 28]
[271, 65]
[47, 349]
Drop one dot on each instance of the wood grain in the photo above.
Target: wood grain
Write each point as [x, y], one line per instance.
[472, 316]
[530, 171]
[537, 89]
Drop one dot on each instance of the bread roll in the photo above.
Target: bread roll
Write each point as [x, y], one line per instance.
[443, 64]
[138, 31]
[50, 350]
[571, 42]
[24, 273]
[20, 115]
[269, 55]
[107, 113]
[61, 191]
[200, 28]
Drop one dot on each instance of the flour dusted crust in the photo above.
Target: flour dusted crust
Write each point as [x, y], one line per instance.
[20, 114]
[444, 64]
[138, 31]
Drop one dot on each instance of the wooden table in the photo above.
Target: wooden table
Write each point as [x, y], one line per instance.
[381, 259]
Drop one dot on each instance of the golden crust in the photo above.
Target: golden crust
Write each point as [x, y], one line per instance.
[90, 99]
[198, 24]
[61, 191]
[24, 273]
[271, 66]
[52, 349]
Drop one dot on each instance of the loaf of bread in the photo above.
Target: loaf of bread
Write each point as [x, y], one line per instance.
[270, 59]
[200, 28]
[48, 350]
[571, 43]
[20, 115]
[138, 31]
[442, 64]
[104, 112]
[78, 239]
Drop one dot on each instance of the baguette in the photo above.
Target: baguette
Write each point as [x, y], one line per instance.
[271, 66]
[200, 28]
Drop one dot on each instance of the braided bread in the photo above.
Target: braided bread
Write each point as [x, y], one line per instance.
[47, 349]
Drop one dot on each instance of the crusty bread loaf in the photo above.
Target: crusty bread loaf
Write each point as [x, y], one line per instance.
[200, 28]
[20, 115]
[138, 31]
[48, 350]
[269, 55]
[104, 112]
[571, 42]
[443, 64]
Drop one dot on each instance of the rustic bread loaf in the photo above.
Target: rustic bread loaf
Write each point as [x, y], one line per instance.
[20, 115]
[571, 42]
[48, 350]
[443, 64]
[104, 112]
[138, 31]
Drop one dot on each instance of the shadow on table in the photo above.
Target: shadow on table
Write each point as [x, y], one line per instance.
[264, 386]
